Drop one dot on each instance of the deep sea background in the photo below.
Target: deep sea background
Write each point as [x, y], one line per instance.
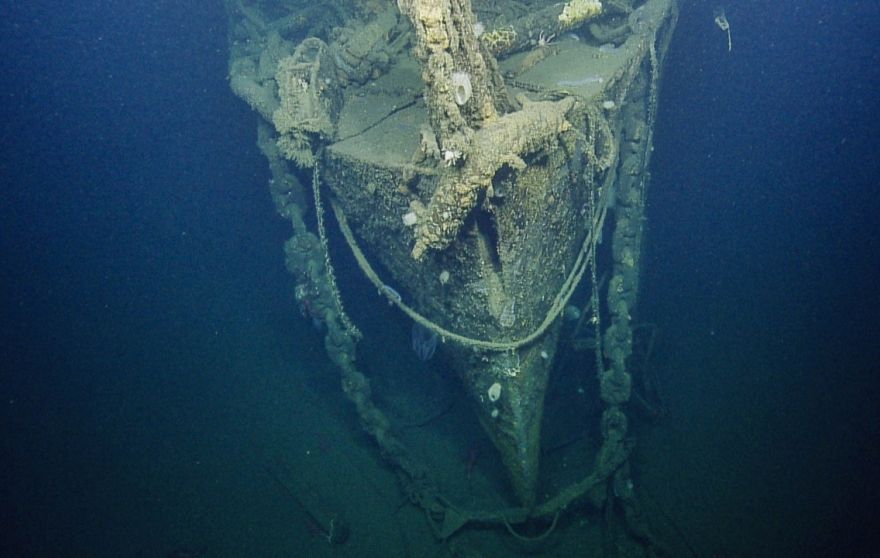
[152, 353]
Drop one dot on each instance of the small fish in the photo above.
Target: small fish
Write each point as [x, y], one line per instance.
[388, 291]
[424, 342]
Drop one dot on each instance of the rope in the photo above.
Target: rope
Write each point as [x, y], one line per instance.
[539, 538]
[594, 297]
[328, 265]
[562, 297]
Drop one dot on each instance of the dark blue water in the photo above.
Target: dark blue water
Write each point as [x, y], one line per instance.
[149, 331]
[764, 263]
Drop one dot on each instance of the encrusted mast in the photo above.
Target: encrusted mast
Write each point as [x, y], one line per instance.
[464, 95]
[477, 161]
[463, 88]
